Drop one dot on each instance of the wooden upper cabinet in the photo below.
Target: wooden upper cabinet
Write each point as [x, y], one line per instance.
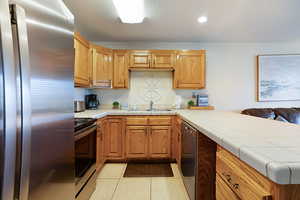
[163, 59]
[137, 141]
[160, 142]
[113, 138]
[82, 66]
[140, 59]
[120, 72]
[102, 75]
[153, 59]
[190, 70]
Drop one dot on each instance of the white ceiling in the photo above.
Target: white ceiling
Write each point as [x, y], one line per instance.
[176, 21]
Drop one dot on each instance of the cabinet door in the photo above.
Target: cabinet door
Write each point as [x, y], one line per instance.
[113, 140]
[140, 59]
[174, 143]
[82, 67]
[223, 192]
[163, 59]
[178, 128]
[102, 67]
[137, 142]
[176, 140]
[190, 70]
[120, 79]
[160, 142]
[100, 159]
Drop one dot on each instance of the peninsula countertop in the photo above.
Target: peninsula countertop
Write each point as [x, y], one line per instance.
[271, 147]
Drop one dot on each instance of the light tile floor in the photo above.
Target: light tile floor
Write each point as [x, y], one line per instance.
[111, 185]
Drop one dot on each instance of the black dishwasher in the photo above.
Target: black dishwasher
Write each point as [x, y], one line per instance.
[189, 158]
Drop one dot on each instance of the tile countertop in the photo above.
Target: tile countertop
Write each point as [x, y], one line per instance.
[271, 147]
[102, 113]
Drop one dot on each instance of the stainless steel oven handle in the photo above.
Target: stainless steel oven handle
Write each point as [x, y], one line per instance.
[85, 133]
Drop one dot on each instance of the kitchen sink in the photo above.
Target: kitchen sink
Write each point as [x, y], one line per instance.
[159, 110]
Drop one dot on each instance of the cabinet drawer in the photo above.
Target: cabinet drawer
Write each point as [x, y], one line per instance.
[157, 121]
[137, 121]
[238, 180]
[223, 191]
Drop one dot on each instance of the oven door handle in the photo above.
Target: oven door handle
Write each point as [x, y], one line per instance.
[85, 133]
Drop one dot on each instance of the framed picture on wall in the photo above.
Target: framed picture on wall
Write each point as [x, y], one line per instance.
[278, 77]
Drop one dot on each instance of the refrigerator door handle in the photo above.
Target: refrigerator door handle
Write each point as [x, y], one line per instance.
[20, 39]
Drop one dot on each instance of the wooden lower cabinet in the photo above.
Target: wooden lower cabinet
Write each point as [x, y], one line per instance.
[247, 183]
[176, 140]
[137, 141]
[114, 138]
[148, 137]
[160, 142]
[137, 137]
[223, 192]
[100, 158]
[146, 142]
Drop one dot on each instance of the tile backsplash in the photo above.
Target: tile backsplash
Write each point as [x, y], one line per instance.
[146, 87]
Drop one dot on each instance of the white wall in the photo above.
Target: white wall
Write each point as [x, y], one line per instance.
[231, 71]
[80, 93]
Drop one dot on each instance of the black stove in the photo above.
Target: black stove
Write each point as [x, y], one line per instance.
[82, 123]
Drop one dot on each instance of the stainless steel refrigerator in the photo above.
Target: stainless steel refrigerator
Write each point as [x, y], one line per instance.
[36, 100]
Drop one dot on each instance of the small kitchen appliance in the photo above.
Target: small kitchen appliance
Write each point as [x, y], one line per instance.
[91, 101]
[79, 106]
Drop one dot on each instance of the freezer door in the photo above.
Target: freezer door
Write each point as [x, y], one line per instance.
[46, 170]
[7, 106]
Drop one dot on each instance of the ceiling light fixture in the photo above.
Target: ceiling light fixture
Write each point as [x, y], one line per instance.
[131, 12]
[202, 19]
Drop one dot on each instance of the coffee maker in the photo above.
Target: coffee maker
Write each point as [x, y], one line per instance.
[91, 101]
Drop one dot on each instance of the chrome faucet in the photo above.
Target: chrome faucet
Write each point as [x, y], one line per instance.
[151, 105]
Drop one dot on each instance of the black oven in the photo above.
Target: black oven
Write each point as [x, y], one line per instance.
[85, 157]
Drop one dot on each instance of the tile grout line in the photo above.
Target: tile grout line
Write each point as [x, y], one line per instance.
[174, 178]
[150, 188]
[115, 189]
[118, 183]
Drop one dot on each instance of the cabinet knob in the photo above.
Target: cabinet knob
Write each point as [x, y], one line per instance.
[236, 186]
[229, 180]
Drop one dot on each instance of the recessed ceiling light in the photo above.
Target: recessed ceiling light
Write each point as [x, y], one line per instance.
[131, 12]
[202, 19]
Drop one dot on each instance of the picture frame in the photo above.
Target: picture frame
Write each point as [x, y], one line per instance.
[278, 77]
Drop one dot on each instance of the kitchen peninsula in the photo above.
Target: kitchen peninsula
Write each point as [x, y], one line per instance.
[259, 157]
